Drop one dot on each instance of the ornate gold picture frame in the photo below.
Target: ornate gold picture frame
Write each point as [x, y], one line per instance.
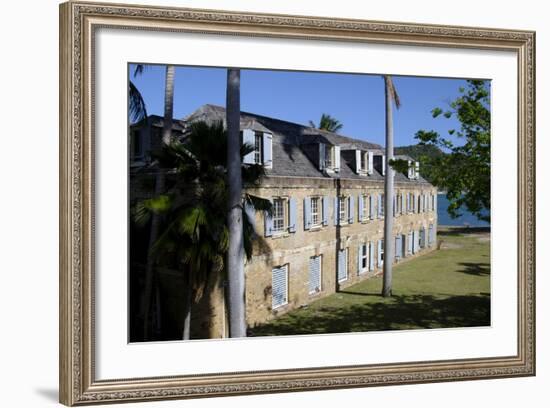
[79, 22]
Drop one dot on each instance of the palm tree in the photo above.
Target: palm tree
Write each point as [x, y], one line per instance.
[159, 188]
[235, 259]
[194, 235]
[328, 123]
[391, 95]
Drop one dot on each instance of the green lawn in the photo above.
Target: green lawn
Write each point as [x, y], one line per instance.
[449, 287]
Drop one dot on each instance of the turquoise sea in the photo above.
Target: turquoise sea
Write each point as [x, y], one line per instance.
[466, 219]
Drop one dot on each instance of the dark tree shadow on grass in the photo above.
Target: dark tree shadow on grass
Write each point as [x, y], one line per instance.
[397, 313]
[462, 230]
[477, 269]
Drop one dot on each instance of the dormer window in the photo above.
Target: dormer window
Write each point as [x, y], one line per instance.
[329, 157]
[413, 170]
[363, 162]
[137, 145]
[258, 136]
[262, 143]
[380, 163]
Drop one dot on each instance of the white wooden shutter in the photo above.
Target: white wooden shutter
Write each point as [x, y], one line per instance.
[371, 256]
[342, 265]
[325, 210]
[410, 170]
[371, 207]
[358, 161]
[279, 286]
[268, 221]
[336, 158]
[315, 274]
[249, 139]
[383, 165]
[292, 215]
[307, 213]
[322, 148]
[351, 209]
[336, 211]
[398, 248]
[360, 205]
[379, 253]
[268, 150]
[359, 258]
[416, 170]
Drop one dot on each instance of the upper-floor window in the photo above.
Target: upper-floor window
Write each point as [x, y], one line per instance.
[342, 209]
[258, 136]
[316, 204]
[282, 218]
[329, 157]
[382, 204]
[279, 214]
[363, 162]
[366, 208]
[262, 147]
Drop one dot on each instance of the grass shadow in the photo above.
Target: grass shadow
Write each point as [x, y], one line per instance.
[454, 231]
[397, 313]
[476, 269]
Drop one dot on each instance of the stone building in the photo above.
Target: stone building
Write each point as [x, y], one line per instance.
[326, 230]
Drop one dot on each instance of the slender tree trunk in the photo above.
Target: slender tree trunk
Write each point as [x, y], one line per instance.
[188, 304]
[388, 195]
[235, 252]
[159, 189]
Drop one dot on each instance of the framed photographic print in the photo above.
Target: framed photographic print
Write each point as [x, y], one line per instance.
[256, 203]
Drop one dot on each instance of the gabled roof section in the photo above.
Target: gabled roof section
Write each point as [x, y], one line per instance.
[289, 142]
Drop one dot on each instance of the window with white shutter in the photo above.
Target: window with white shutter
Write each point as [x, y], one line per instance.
[316, 211]
[342, 210]
[315, 263]
[342, 265]
[279, 217]
[279, 286]
[363, 258]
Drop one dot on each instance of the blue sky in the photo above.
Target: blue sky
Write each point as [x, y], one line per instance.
[357, 101]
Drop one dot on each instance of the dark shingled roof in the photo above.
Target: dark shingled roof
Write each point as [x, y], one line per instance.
[288, 157]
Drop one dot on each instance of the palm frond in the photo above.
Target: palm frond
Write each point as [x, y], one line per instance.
[136, 104]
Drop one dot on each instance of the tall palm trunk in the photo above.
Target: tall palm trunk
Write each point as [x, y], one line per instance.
[159, 189]
[235, 252]
[188, 279]
[389, 243]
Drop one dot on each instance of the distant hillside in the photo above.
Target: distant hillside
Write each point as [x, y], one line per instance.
[417, 152]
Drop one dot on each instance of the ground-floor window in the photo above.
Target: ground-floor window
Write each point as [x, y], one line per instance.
[315, 263]
[279, 286]
[363, 258]
[380, 253]
[422, 238]
[342, 265]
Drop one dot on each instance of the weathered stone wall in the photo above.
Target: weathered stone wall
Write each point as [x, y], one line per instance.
[296, 248]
